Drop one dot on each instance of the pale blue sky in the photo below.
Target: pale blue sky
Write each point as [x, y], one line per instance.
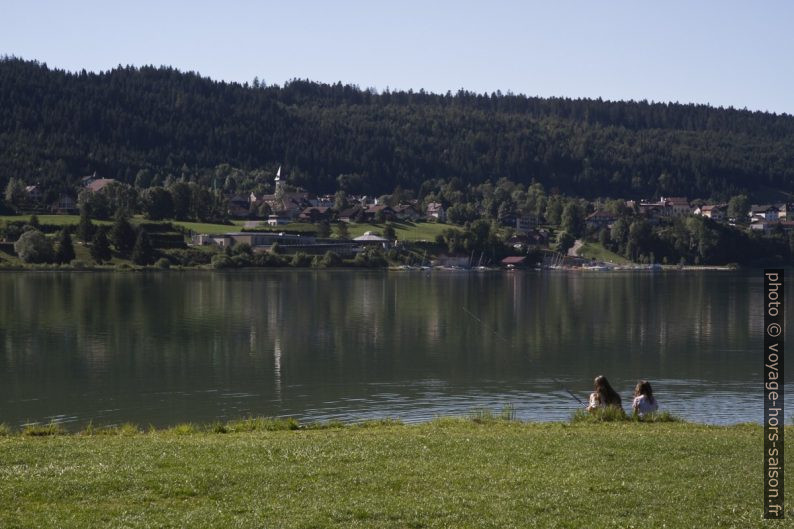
[718, 52]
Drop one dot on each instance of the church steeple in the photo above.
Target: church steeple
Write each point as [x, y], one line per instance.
[279, 182]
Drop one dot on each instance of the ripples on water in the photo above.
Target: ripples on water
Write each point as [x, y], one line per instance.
[166, 348]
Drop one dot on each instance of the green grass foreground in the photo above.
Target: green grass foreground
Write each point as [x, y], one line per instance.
[483, 471]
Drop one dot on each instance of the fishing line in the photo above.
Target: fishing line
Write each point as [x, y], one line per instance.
[554, 379]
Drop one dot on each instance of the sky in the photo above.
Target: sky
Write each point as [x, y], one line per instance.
[723, 53]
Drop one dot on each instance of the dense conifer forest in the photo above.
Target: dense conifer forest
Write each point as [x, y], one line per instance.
[57, 126]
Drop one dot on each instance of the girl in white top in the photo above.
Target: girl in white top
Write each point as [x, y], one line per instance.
[644, 402]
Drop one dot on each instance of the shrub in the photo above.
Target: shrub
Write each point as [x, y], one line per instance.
[484, 415]
[78, 264]
[331, 259]
[41, 430]
[242, 260]
[163, 263]
[268, 259]
[34, 247]
[220, 261]
[300, 260]
[242, 249]
[190, 256]
[182, 429]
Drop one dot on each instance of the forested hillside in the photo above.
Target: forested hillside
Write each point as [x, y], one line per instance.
[56, 127]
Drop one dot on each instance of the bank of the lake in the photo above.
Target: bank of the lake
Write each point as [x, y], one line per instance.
[444, 473]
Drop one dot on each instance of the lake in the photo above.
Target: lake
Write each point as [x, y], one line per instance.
[167, 347]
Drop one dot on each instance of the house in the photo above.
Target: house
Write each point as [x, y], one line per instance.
[406, 212]
[665, 208]
[289, 205]
[713, 211]
[349, 214]
[653, 211]
[96, 185]
[323, 201]
[677, 206]
[526, 222]
[276, 220]
[768, 226]
[239, 206]
[533, 239]
[34, 194]
[766, 212]
[315, 214]
[435, 211]
[782, 211]
[373, 213]
[65, 205]
[598, 219]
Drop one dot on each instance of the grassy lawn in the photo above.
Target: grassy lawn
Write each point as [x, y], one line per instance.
[405, 231]
[55, 220]
[446, 473]
[203, 227]
[597, 251]
[419, 231]
[67, 220]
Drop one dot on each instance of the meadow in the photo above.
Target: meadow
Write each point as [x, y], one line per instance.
[481, 471]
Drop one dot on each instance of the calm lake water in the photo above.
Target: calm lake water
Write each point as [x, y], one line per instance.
[162, 348]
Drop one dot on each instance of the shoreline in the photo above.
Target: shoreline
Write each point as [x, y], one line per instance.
[271, 424]
[124, 267]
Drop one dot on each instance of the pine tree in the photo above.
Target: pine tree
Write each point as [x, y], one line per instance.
[389, 232]
[122, 235]
[64, 251]
[323, 229]
[143, 253]
[100, 246]
[342, 230]
[85, 228]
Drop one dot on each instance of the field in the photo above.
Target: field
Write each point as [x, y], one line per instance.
[446, 473]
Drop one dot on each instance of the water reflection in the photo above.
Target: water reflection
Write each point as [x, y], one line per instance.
[162, 348]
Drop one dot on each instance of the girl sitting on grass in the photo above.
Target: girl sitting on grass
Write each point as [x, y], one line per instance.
[644, 402]
[603, 395]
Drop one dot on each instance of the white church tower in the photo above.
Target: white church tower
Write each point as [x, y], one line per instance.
[279, 182]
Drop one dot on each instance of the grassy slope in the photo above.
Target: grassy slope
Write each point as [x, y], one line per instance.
[597, 251]
[420, 231]
[446, 473]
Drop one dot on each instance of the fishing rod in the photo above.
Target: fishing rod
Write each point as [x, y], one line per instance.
[553, 378]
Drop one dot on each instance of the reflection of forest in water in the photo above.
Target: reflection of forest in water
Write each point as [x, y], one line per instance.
[328, 333]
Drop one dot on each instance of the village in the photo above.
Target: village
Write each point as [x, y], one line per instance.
[292, 220]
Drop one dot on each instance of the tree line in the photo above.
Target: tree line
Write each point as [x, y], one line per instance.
[152, 126]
